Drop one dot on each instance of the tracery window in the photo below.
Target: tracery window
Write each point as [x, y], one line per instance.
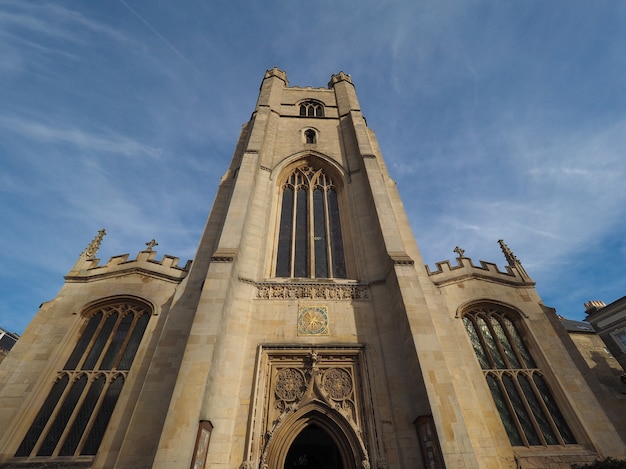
[309, 239]
[311, 109]
[74, 416]
[519, 388]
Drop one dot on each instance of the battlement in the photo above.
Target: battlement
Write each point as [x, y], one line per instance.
[88, 269]
[308, 88]
[446, 273]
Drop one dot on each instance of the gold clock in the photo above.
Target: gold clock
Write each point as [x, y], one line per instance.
[313, 320]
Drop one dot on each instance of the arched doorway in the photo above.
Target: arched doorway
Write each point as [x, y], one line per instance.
[311, 439]
[313, 448]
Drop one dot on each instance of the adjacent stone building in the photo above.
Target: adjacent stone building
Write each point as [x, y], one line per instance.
[609, 321]
[307, 332]
[7, 341]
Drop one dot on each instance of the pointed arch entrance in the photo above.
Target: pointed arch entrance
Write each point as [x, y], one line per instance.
[313, 448]
[312, 410]
[315, 437]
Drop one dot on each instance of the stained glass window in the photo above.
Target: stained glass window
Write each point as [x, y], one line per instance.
[530, 415]
[73, 418]
[309, 236]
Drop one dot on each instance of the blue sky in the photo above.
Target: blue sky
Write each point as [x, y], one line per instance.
[497, 119]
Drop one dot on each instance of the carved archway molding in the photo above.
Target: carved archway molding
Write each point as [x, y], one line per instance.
[350, 446]
[299, 386]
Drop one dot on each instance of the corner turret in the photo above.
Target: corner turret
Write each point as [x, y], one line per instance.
[274, 81]
[345, 93]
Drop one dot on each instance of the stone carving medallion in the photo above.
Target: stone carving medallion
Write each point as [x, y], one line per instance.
[337, 384]
[290, 384]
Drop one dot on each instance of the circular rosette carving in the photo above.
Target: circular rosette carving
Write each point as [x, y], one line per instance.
[337, 383]
[290, 384]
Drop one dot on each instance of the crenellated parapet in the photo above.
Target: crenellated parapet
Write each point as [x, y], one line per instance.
[445, 272]
[278, 73]
[337, 77]
[514, 273]
[89, 270]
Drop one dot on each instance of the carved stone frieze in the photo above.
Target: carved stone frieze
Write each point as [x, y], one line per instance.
[325, 291]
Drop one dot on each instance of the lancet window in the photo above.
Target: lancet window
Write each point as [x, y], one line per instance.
[311, 109]
[530, 415]
[75, 415]
[310, 136]
[309, 239]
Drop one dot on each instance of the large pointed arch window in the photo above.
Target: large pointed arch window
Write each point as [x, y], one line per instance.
[75, 415]
[309, 238]
[519, 388]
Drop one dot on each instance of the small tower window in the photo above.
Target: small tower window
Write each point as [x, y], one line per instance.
[309, 240]
[310, 136]
[311, 109]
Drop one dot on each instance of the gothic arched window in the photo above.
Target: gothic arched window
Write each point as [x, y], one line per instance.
[74, 416]
[519, 388]
[311, 109]
[310, 136]
[309, 239]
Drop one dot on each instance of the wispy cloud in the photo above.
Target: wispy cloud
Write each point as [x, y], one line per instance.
[495, 123]
[158, 34]
[54, 20]
[107, 141]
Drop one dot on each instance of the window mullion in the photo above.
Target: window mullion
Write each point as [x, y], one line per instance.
[483, 341]
[509, 403]
[311, 229]
[329, 255]
[529, 411]
[129, 333]
[545, 409]
[96, 410]
[105, 348]
[292, 259]
[498, 343]
[77, 407]
[92, 342]
[44, 432]
[512, 342]
[512, 412]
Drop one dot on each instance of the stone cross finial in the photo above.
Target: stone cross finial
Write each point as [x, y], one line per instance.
[459, 251]
[91, 250]
[151, 244]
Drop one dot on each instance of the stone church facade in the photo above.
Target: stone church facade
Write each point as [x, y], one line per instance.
[307, 332]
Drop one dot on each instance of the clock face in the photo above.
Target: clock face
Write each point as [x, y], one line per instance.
[313, 320]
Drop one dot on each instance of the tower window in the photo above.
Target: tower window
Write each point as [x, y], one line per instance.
[309, 240]
[311, 109]
[310, 136]
[520, 390]
[74, 416]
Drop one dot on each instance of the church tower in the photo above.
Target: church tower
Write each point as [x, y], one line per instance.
[306, 333]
